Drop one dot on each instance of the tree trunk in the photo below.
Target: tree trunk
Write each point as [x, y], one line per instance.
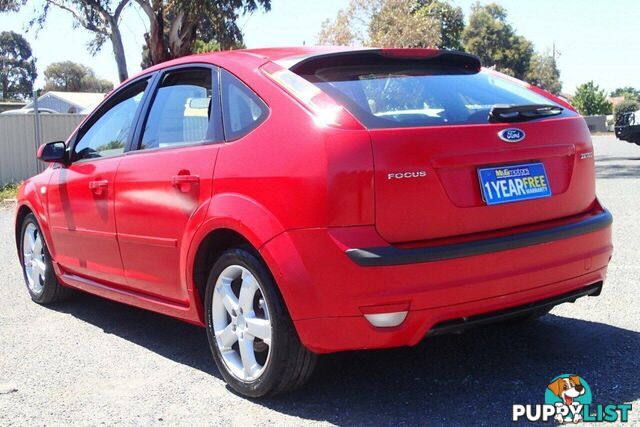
[5, 84]
[118, 51]
[158, 51]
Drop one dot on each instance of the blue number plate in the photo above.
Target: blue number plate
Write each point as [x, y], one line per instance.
[514, 183]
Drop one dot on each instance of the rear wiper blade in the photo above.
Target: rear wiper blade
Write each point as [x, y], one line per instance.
[519, 113]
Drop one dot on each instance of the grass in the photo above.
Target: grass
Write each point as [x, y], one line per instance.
[8, 191]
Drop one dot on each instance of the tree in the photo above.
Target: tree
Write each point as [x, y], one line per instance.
[590, 100]
[489, 36]
[450, 21]
[395, 23]
[101, 17]
[200, 46]
[338, 32]
[626, 106]
[11, 5]
[544, 73]
[175, 25]
[69, 76]
[628, 92]
[350, 28]
[18, 70]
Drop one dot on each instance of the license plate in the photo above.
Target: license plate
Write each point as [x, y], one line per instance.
[513, 183]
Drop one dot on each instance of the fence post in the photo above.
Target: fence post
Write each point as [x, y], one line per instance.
[36, 122]
[36, 118]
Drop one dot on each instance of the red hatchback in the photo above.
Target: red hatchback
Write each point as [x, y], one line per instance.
[312, 200]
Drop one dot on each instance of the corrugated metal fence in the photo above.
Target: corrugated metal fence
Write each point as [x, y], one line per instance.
[18, 143]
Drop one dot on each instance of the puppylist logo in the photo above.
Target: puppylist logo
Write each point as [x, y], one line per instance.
[568, 399]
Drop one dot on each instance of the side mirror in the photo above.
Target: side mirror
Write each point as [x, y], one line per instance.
[54, 152]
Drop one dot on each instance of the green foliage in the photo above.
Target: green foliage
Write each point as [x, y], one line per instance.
[590, 100]
[544, 73]
[489, 36]
[176, 25]
[626, 106]
[69, 76]
[395, 23]
[17, 67]
[100, 17]
[628, 92]
[8, 191]
[200, 46]
[450, 21]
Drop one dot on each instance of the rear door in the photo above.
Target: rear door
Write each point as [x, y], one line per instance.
[428, 119]
[161, 186]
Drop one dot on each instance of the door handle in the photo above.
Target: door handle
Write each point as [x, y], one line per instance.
[185, 179]
[98, 186]
[184, 182]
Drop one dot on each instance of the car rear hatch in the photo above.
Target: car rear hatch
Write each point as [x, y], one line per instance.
[446, 134]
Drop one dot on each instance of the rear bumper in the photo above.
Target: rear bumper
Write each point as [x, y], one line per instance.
[389, 255]
[326, 335]
[327, 291]
[462, 323]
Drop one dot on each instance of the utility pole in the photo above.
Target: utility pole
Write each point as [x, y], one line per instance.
[554, 53]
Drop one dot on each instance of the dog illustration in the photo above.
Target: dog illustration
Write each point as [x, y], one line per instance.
[567, 389]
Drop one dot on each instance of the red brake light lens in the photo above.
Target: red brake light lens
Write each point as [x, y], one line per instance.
[410, 53]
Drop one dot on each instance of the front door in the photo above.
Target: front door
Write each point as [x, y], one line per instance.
[81, 195]
[161, 185]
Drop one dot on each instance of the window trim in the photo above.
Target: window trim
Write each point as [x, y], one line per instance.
[103, 108]
[215, 131]
[257, 123]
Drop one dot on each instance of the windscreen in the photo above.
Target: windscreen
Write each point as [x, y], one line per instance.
[397, 95]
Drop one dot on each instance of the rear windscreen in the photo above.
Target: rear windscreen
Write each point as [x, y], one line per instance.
[384, 96]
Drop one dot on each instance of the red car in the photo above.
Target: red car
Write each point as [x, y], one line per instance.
[299, 201]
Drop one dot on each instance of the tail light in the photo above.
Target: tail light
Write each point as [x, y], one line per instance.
[326, 111]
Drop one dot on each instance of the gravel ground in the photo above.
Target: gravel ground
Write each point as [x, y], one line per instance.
[90, 361]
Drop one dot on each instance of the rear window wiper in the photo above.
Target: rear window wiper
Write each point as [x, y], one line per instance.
[520, 113]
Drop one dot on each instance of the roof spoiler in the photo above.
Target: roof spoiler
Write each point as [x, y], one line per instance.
[449, 58]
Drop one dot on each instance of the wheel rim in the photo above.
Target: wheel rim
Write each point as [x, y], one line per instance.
[35, 266]
[241, 323]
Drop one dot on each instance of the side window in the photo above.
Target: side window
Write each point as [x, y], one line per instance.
[242, 109]
[181, 109]
[108, 134]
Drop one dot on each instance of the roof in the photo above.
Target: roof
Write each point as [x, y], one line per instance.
[80, 99]
[286, 57]
[263, 54]
[279, 53]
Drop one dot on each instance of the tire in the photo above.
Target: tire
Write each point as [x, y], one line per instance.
[37, 268]
[282, 363]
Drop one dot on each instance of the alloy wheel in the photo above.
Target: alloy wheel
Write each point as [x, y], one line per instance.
[241, 323]
[33, 260]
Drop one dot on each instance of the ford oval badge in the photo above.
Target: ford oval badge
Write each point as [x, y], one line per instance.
[512, 135]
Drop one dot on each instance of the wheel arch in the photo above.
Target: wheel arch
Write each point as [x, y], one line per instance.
[21, 213]
[209, 250]
[232, 220]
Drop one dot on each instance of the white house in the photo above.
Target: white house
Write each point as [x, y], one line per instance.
[68, 102]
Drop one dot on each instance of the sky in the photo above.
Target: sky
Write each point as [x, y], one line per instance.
[596, 39]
